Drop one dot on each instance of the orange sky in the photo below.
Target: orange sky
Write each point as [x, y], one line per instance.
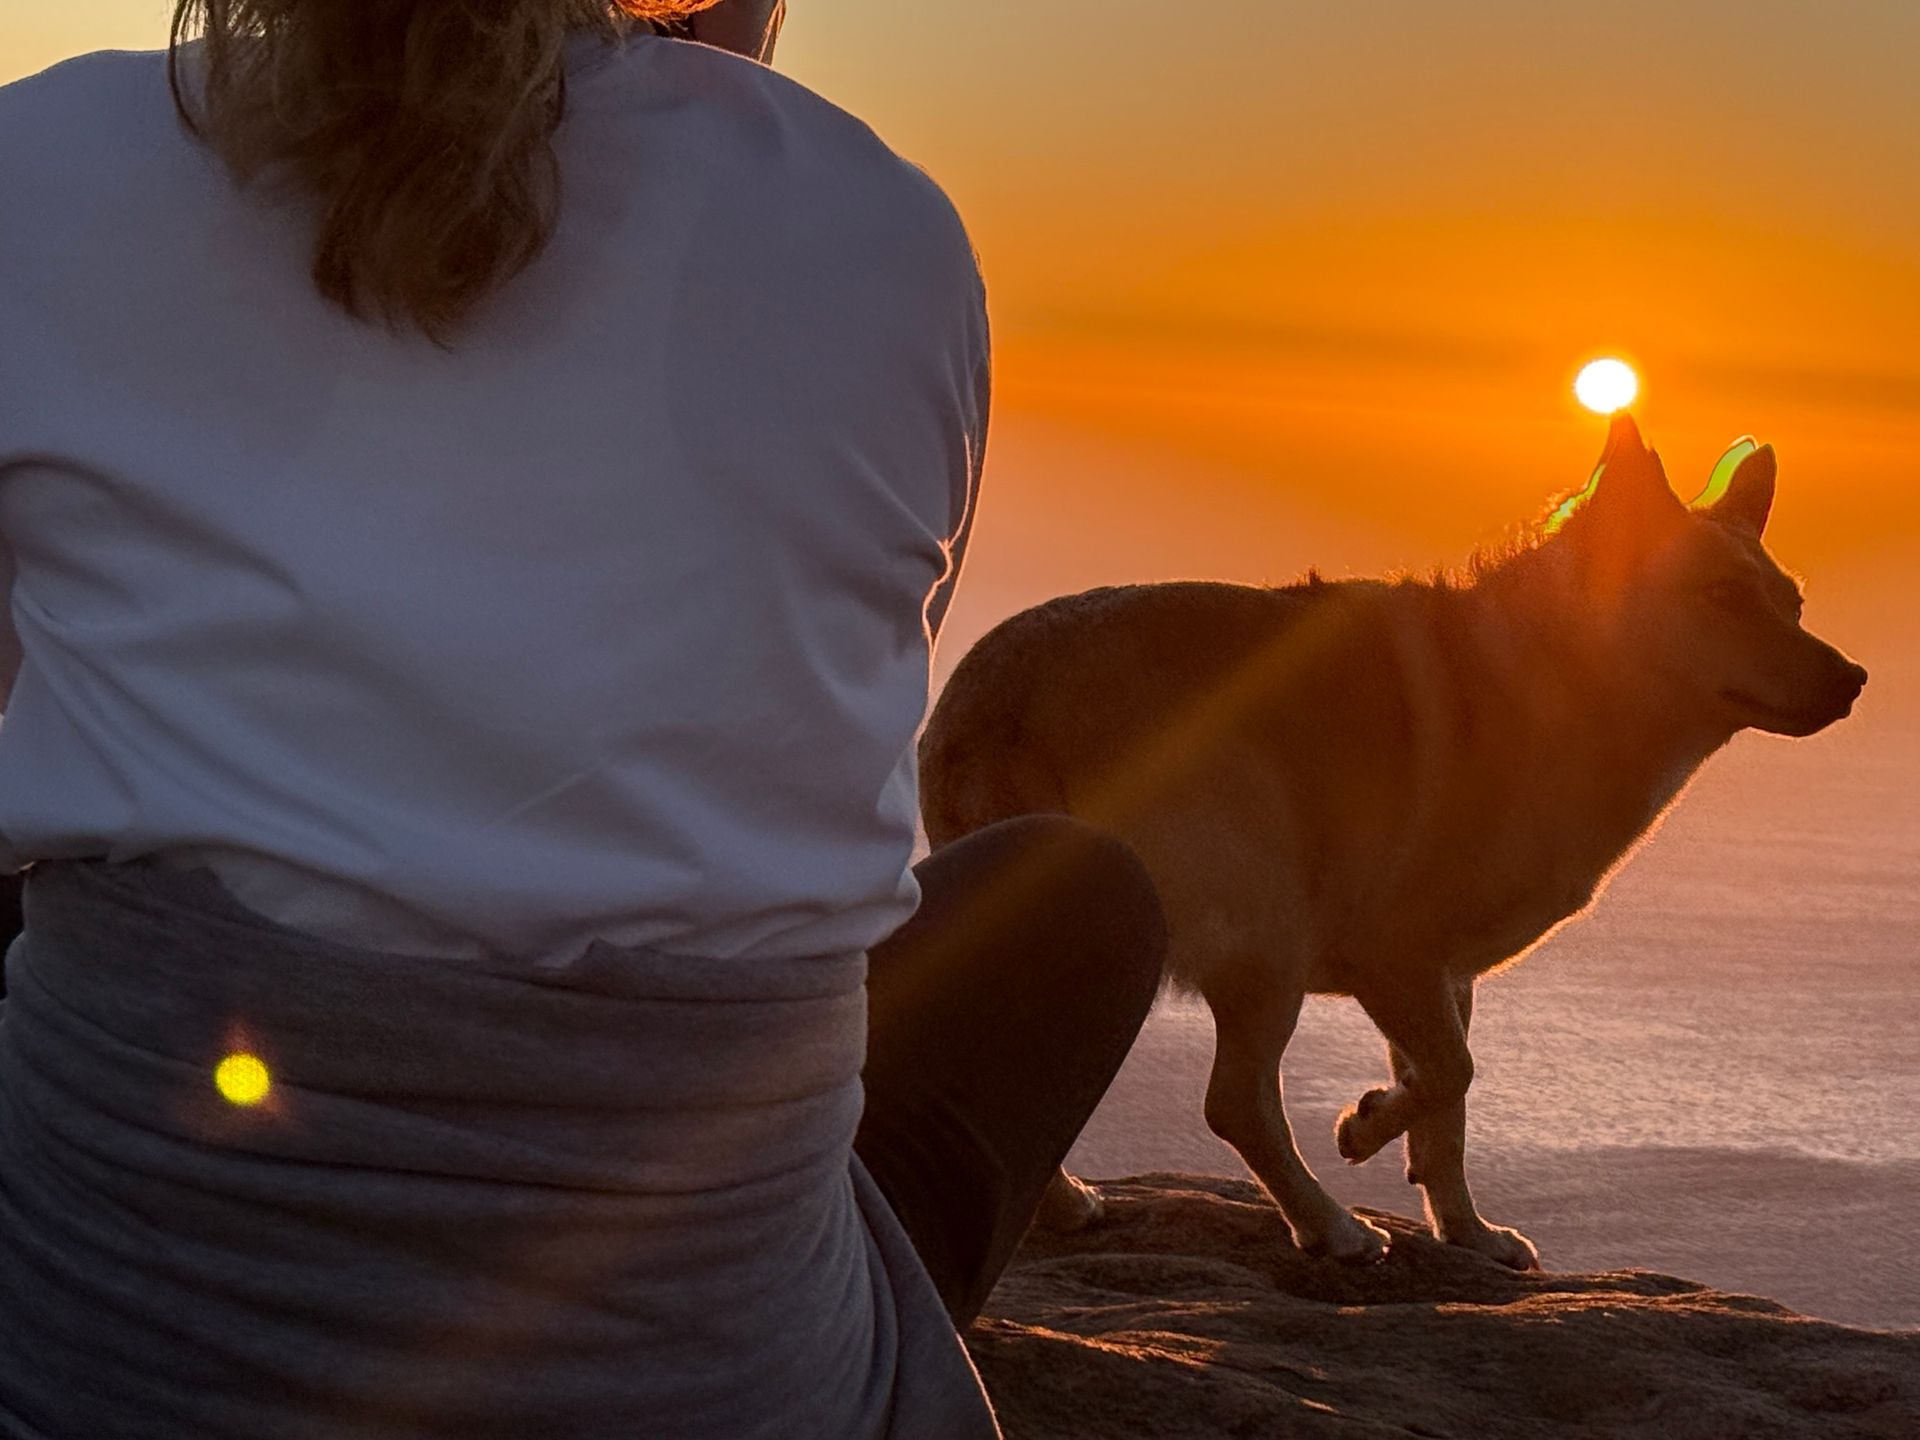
[1294, 284]
[1363, 248]
[1309, 283]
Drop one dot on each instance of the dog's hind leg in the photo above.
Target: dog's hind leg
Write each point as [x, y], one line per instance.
[1419, 1015]
[1436, 1161]
[1252, 1024]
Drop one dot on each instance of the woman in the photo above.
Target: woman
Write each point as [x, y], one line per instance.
[474, 603]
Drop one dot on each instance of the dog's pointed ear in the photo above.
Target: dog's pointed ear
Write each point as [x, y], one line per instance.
[1623, 436]
[1740, 490]
[1628, 486]
[1634, 471]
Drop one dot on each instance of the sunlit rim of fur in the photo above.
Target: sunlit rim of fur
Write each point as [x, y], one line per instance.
[1508, 555]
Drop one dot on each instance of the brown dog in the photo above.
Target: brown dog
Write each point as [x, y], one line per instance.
[1387, 789]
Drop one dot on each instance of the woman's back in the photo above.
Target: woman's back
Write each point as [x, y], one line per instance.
[547, 703]
[606, 624]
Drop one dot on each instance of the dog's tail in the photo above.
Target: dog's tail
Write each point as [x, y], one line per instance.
[978, 768]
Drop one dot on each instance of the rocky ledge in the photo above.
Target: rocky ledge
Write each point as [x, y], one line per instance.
[1187, 1312]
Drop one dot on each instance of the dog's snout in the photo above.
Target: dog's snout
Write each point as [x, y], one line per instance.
[1848, 681]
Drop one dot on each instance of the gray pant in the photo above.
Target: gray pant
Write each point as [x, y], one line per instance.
[643, 1196]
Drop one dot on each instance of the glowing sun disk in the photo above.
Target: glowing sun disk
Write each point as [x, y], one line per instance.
[1605, 386]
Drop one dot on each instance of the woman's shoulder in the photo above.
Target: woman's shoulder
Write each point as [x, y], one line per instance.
[68, 84]
[81, 131]
[68, 69]
[823, 144]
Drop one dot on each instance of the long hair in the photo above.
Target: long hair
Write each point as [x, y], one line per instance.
[422, 127]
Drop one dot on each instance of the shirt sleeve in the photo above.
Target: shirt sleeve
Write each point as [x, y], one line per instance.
[969, 466]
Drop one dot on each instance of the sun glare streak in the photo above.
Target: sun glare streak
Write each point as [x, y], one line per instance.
[243, 1079]
[1605, 386]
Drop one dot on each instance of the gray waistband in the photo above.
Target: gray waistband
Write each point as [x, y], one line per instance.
[493, 1195]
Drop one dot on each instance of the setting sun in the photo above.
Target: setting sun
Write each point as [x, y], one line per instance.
[1606, 386]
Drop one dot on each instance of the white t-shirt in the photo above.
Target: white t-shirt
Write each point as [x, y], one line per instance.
[616, 622]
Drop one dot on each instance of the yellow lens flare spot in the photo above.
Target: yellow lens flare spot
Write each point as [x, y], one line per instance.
[243, 1079]
[1606, 386]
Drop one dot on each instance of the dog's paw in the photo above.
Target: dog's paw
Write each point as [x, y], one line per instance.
[1346, 1238]
[1069, 1204]
[1497, 1242]
[1359, 1132]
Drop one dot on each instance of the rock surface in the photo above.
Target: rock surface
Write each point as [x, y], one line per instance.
[1187, 1312]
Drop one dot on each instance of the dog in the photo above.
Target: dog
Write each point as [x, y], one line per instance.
[1387, 788]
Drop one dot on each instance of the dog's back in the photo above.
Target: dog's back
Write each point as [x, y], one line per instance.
[1253, 744]
[1049, 695]
[1332, 776]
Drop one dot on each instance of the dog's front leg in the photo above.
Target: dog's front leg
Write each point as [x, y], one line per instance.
[1436, 1161]
[1419, 1015]
[1252, 1022]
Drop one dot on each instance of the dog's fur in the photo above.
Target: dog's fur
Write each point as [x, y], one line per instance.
[1386, 789]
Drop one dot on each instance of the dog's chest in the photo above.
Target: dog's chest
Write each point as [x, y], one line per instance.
[1506, 922]
[1486, 902]
[1541, 868]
